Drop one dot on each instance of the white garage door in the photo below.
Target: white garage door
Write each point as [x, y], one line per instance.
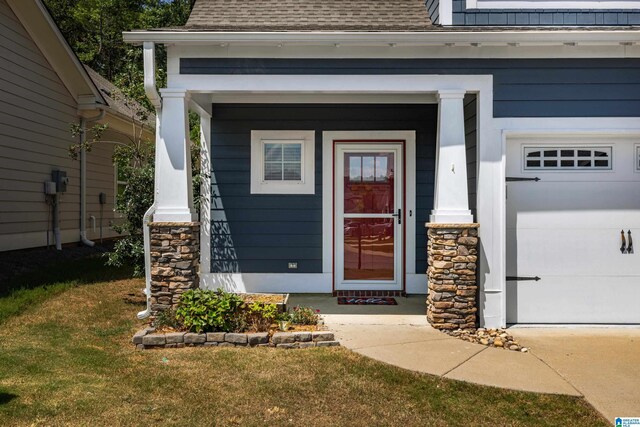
[566, 230]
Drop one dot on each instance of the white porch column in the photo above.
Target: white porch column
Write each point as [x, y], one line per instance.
[205, 193]
[451, 199]
[174, 192]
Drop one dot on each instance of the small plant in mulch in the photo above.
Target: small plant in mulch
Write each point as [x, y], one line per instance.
[305, 316]
[167, 321]
[300, 319]
[202, 310]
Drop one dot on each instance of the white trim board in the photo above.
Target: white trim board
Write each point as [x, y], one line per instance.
[452, 50]
[298, 283]
[327, 190]
[356, 84]
[600, 5]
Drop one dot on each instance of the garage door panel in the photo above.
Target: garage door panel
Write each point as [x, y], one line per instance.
[574, 205]
[591, 300]
[574, 252]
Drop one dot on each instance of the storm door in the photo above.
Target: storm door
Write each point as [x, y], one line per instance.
[368, 216]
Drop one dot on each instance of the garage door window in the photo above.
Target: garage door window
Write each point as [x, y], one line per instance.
[567, 158]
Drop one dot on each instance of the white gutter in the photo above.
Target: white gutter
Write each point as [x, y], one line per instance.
[535, 37]
[83, 174]
[153, 95]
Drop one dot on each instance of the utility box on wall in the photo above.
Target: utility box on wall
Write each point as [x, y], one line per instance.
[61, 180]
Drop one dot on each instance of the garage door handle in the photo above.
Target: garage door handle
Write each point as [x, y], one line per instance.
[522, 278]
[520, 179]
[630, 247]
[623, 248]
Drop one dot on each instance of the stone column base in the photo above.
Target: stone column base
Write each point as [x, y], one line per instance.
[452, 257]
[175, 260]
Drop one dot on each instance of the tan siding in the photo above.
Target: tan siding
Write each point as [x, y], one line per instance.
[35, 113]
[101, 178]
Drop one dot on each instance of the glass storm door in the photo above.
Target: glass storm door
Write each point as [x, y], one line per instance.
[368, 210]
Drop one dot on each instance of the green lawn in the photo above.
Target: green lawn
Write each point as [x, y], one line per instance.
[67, 360]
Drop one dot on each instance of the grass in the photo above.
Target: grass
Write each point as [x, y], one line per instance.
[27, 291]
[69, 361]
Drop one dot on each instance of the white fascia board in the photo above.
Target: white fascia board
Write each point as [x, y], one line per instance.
[552, 4]
[511, 37]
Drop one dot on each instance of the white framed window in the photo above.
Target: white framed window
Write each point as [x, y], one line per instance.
[120, 184]
[567, 158]
[282, 162]
[637, 158]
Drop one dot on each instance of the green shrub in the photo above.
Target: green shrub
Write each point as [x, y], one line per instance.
[305, 316]
[201, 310]
[261, 316]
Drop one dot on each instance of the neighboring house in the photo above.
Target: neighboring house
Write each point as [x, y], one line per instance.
[335, 130]
[43, 89]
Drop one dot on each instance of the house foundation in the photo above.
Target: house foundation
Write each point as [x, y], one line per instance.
[175, 259]
[452, 257]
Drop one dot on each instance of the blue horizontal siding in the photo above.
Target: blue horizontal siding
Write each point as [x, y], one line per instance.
[522, 87]
[263, 233]
[543, 17]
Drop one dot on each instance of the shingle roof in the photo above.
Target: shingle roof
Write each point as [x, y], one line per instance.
[116, 99]
[309, 15]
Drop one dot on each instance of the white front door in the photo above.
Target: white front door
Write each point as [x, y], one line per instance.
[566, 229]
[368, 215]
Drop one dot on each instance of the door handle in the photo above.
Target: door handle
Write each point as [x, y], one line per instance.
[623, 248]
[398, 215]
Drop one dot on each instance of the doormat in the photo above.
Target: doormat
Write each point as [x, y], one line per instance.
[366, 301]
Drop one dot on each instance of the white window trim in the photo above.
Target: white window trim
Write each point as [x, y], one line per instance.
[116, 183]
[306, 185]
[553, 4]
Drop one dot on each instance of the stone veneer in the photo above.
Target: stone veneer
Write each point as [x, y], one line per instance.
[175, 257]
[452, 257]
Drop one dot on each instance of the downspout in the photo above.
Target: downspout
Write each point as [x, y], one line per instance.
[83, 175]
[149, 55]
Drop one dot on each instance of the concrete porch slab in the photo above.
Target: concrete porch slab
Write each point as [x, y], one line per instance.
[410, 310]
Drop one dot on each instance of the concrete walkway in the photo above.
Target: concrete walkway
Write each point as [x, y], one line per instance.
[601, 364]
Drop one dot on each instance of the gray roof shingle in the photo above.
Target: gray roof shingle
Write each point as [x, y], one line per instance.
[117, 101]
[309, 15]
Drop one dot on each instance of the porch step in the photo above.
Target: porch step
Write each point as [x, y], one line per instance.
[369, 294]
